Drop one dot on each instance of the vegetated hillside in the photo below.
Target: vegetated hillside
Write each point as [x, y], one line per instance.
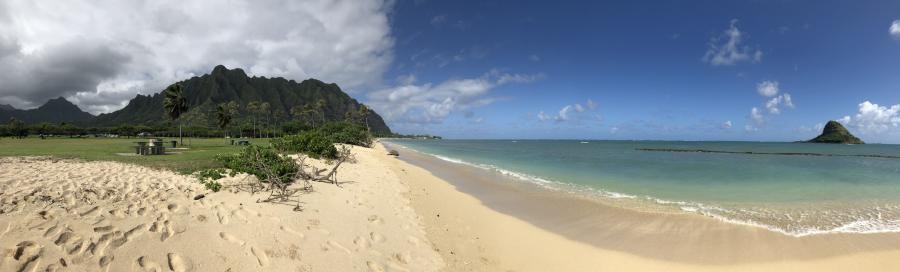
[223, 85]
[835, 133]
[58, 110]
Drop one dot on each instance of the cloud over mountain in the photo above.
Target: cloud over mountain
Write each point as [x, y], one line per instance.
[99, 52]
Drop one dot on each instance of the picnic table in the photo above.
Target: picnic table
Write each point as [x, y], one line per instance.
[153, 147]
[241, 141]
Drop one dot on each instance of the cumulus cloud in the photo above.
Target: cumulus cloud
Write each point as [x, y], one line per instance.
[727, 125]
[756, 116]
[431, 103]
[101, 52]
[727, 49]
[767, 88]
[895, 29]
[568, 112]
[774, 105]
[872, 118]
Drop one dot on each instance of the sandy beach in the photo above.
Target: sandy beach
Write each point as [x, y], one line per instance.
[387, 215]
[66, 215]
[479, 227]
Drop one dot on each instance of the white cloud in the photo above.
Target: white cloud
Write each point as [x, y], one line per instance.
[775, 104]
[756, 116]
[895, 29]
[101, 52]
[590, 104]
[567, 112]
[543, 116]
[872, 118]
[767, 88]
[727, 125]
[430, 104]
[727, 49]
[534, 57]
[579, 108]
[439, 20]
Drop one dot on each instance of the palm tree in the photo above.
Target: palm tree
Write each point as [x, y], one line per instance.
[264, 109]
[364, 114]
[320, 108]
[223, 117]
[175, 104]
[252, 109]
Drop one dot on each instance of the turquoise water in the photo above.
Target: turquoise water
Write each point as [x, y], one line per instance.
[793, 188]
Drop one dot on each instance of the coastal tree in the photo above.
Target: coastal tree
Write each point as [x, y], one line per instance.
[17, 128]
[175, 104]
[223, 118]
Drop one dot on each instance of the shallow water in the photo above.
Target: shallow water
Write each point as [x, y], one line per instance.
[793, 188]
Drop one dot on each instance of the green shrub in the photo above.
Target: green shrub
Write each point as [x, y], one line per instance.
[209, 178]
[312, 143]
[346, 133]
[261, 161]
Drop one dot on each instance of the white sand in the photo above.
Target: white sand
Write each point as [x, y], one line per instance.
[68, 215]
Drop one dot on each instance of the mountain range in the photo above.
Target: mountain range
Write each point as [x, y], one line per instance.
[203, 94]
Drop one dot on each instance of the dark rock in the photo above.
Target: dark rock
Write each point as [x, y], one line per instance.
[200, 196]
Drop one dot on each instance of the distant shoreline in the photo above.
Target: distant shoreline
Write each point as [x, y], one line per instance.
[643, 234]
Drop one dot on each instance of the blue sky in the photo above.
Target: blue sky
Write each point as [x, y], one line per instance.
[650, 68]
[680, 70]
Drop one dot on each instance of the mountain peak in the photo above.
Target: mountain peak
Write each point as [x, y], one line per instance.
[5, 107]
[222, 70]
[835, 133]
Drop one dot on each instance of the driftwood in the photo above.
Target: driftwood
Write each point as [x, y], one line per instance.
[344, 155]
[281, 191]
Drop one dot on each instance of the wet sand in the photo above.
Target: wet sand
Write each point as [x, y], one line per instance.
[498, 223]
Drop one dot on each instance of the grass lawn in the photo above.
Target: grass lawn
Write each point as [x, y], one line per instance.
[199, 156]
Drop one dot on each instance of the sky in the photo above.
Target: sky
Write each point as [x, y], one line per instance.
[664, 70]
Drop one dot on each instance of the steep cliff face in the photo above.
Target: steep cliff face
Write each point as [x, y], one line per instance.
[835, 133]
[223, 85]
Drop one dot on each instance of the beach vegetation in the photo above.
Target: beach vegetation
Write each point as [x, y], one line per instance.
[311, 143]
[209, 178]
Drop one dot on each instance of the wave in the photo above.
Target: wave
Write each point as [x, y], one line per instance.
[744, 217]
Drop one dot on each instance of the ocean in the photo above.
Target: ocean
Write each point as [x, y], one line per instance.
[797, 189]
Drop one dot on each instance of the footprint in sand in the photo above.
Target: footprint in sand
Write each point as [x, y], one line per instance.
[29, 253]
[334, 245]
[292, 231]
[105, 260]
[361, 242]
[374, 267]
[231, 239]
[148, 265]
[376, 237]
[104, 229]
[261, 256]
[91, 212]
[53, 231]
[374, 219]
[177, 263]
[223, 217]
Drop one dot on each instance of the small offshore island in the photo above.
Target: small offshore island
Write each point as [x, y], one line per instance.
[835, 133]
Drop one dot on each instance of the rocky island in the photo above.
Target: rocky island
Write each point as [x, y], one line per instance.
[835, 133]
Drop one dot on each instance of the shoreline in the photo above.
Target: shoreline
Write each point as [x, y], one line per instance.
[616, 235]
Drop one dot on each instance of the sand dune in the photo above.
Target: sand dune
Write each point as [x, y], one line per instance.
[67, 215]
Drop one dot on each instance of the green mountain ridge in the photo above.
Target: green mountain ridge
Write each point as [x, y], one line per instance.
[57, 110]
[205, 92]
[835, 133]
